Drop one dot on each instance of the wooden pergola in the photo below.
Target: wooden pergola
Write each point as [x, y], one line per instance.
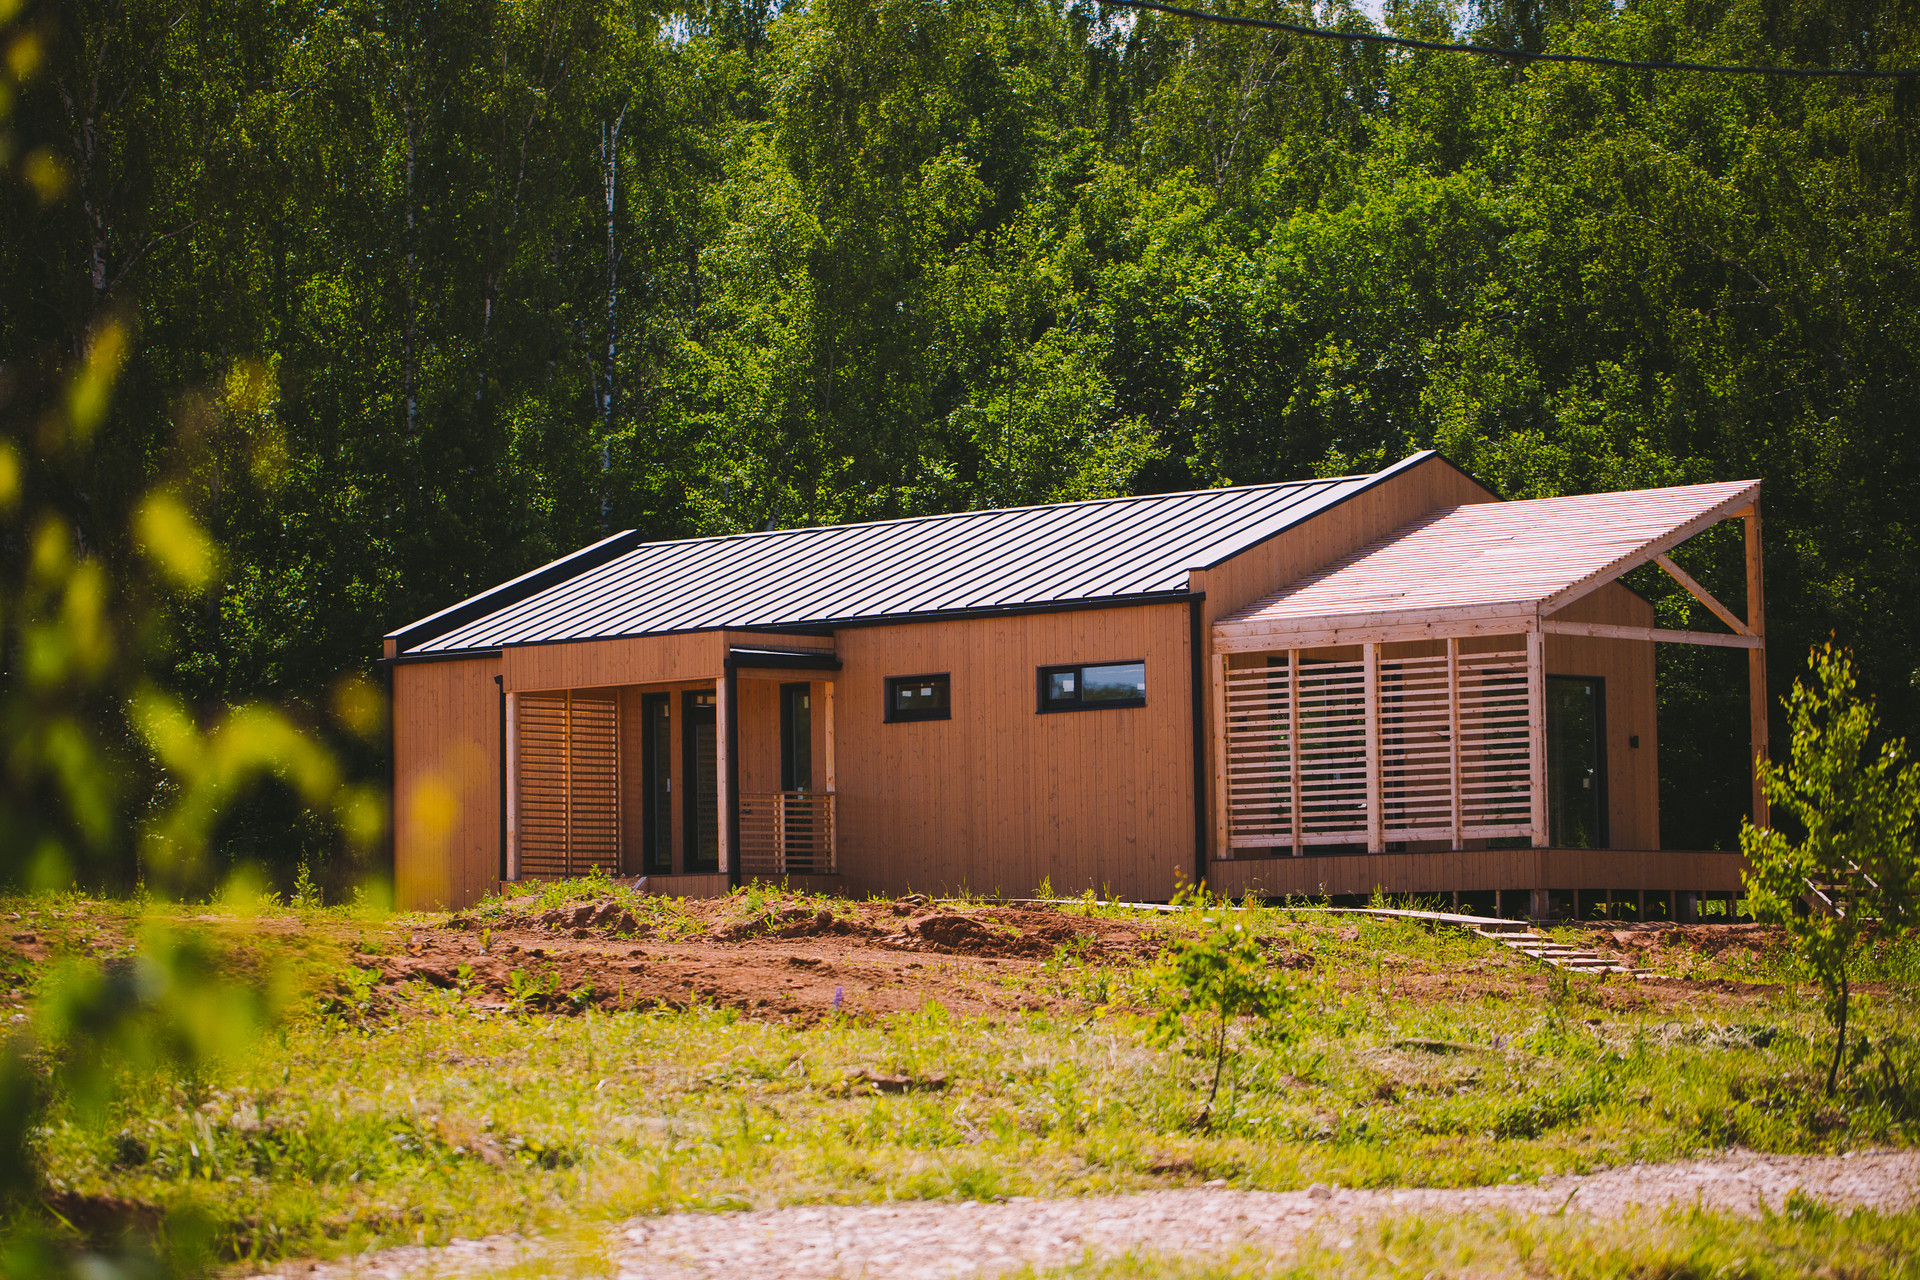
[1399, 695]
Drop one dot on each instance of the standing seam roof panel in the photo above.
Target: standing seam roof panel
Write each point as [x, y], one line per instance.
[1033, 556]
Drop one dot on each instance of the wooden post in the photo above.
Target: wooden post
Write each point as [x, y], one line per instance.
[566, 784]
[1537, 730]
[832, 806]
[723, 690]
[1376, 823]
[1756, 665]
[513, 786]
[1222, 802]
[1294, 743]
[826, 698]
[1453, 740]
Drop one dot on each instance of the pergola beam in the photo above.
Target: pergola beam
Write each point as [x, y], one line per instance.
[1701, 594]
[1612, 631]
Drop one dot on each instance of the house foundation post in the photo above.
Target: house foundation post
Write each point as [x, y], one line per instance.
[1756, 664]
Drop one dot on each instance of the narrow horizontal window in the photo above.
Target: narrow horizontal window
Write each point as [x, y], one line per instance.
[1087, 686]
[919, 698]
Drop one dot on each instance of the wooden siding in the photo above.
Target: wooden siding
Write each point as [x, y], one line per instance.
[1294, 553]
[1260, 570]
[1478, 871]
[598, 664]
[1633, 773]
[1000, 797]
[446, 782]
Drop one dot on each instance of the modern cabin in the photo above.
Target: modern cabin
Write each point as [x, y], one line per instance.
[1393, 681]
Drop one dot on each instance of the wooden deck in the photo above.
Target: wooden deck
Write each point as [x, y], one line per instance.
[1656, 870]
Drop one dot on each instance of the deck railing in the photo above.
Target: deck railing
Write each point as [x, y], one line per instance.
[787, 833]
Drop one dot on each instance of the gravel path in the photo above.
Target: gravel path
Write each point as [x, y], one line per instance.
[944, 1240]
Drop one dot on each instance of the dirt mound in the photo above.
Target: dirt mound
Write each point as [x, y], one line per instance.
[796, 922]
[1021, 933]
[584, 918]
[1707, 939]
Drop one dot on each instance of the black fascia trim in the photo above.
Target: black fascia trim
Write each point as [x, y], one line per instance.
[782, 660]
[1196, 634]
[1406, 464]
[515, 590]
[442, 655]
[890, 715]
[827, 628]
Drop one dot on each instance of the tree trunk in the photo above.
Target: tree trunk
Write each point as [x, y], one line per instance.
[409, 354]
[610, 184]
[1840, 1037]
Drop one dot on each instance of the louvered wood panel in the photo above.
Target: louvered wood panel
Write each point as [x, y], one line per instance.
[1495, 758]
[1416, 770]
[568, 803]
[1259, 774]
[594, 813]
[1317, 769]
[541, 797]
[1333, 752]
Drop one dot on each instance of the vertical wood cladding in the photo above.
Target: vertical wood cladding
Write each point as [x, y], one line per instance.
[446, 782]
[1633, 773]
[1000, 797]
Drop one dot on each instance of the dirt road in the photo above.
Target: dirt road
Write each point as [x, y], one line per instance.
[948, 1240]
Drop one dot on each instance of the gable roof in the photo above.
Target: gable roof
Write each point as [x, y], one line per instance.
[1116, 549]
[1494, 559]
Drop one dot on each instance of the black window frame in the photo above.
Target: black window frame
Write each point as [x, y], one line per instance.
[1045, 706]
[896, 716]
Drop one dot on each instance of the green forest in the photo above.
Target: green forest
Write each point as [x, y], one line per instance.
[414, 296]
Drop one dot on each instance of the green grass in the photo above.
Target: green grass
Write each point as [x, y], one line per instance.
[1423, 1058]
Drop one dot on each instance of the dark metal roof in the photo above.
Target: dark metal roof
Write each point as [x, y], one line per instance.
[1019, 558]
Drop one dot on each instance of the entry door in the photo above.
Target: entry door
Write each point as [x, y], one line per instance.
[796, 834]
[656, 784]
[1576, 762]
[701, 773]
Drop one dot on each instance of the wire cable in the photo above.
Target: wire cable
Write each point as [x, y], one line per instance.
[1516, 55]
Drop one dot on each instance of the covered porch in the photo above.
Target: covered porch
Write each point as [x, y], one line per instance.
[692, 784]
[1465, 707]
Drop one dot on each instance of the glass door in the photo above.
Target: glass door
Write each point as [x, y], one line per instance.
[656, 784]
[1576, 762]
[700, 776]
[795, 834]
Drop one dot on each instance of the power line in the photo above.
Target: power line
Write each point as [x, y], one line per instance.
[1515, 55]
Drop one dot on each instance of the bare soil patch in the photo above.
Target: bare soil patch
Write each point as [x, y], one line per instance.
[800, 961]
[792, 963]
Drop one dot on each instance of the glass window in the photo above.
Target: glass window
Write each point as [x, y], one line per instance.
[1087, 686]
[919, 698]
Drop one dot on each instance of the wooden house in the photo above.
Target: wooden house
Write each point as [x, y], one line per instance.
[1391, 681]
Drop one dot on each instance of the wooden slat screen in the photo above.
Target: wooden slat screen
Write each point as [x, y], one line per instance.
[568, 787]
[1333, 752]
[1416, 770]
[1297, 763]
[1496, 767]
[787, 833]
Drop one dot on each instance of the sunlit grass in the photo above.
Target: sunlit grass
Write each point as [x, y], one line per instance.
[1424, 1057]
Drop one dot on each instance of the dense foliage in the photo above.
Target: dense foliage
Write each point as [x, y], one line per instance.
[421, 294]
